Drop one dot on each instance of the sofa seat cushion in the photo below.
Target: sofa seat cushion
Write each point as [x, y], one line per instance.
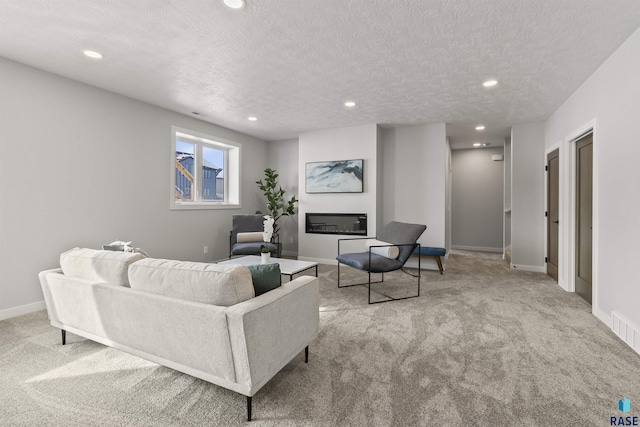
[252, 248]
[102, 266]
[223, 285]
[360, 261]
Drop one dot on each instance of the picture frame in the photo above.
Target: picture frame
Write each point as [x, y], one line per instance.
[335, 176]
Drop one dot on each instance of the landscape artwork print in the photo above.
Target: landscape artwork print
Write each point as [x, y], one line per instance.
[341, 176]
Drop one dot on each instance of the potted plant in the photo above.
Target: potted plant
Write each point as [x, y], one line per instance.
[277, 205]
[268, 222]
[265, 255]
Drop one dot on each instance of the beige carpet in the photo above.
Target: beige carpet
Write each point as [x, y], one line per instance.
[481, 346]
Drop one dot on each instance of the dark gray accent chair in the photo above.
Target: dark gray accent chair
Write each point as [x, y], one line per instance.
[400, 234]
[249, 224]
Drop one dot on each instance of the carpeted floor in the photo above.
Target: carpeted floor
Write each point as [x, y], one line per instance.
[482, 346]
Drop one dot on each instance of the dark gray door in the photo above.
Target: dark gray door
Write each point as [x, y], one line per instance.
[553, 164]
[584, 212]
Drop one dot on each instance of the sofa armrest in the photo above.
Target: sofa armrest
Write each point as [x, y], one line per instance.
[48, 299]
[268, 331]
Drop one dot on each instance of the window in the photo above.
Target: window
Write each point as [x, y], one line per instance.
[205, 171]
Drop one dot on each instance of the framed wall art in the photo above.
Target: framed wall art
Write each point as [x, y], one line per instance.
[338, 176]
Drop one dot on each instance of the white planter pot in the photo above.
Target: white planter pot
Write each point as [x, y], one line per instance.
[266, 258]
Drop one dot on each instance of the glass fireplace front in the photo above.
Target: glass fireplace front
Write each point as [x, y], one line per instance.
[336, 223]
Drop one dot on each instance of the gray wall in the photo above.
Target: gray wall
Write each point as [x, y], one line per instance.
[283, 157]
[447, 218]
[527, 197]
[477, 199]
[80, 166]
[507, 194]
[414, 173]
[355, 142]
[414, 165]
[610, 99]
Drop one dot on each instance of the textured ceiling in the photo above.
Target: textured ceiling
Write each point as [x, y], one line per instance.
[292, 63]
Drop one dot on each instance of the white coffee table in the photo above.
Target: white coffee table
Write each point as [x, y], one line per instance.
[288, 267]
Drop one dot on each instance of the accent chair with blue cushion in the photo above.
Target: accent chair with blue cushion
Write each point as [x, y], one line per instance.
[387, 252]
[246, 236]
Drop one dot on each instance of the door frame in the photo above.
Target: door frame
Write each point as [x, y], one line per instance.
[550, 149]
[567, 249]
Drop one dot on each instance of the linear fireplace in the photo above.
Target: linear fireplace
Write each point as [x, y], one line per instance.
[337, 223]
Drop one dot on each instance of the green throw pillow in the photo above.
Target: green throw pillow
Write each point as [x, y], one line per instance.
[265, 277]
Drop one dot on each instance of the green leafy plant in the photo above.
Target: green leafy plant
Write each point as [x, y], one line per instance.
[277, 205]
[264, 249]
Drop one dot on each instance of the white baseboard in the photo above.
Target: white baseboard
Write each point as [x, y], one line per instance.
[506, 253]
[625, 330]
[564, 285]
[531, 268]
[603, 317]
[20, 310]
[476, 248]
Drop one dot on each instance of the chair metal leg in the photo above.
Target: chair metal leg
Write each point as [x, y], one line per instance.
[64, 336]
[306, 354]
[355, 284]
[248, 408]
[419, 273]
[389, 298]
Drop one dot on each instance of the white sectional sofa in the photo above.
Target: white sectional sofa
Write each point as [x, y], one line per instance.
[197, 318]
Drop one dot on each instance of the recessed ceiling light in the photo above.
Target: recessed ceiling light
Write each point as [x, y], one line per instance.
[485, 144]
[92, 54]
[477, 144]
[234, 4]
[350, 104]
[480, 127]
[490, 83]
[252, 118]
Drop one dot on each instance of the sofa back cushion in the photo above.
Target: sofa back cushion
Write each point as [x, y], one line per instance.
[223, 285]
[108, 267]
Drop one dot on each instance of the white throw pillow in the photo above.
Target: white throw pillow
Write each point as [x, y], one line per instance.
[216, 284]
[390, 252]
[257, 236]
[109, 267]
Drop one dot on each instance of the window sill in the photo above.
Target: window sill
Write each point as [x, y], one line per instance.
[199, 206]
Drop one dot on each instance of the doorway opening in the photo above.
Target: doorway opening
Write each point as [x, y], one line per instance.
[553, 212]
[578, 250]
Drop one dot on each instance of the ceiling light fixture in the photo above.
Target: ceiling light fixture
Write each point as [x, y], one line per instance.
[234, 4]
[485, 144]
[480, 127]
[350, 104]
[252, 118]
[476, 144]
[92, 54]
[490, 83]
